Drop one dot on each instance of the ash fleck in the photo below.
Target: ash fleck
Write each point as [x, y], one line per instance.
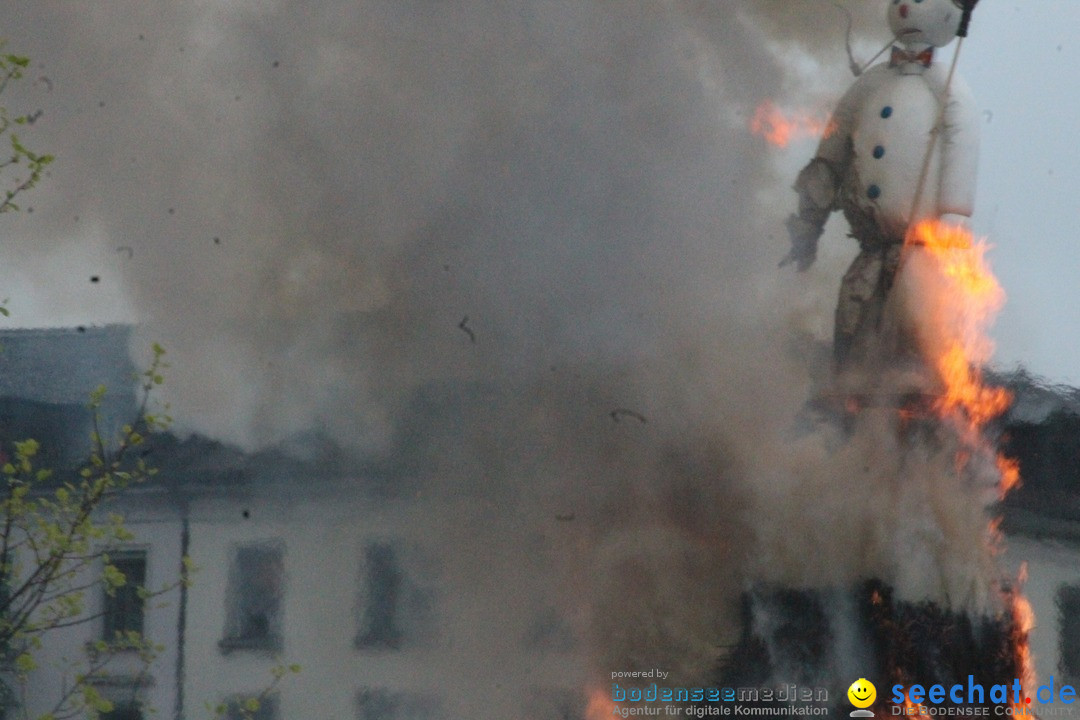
[626, 412]
[465, 327]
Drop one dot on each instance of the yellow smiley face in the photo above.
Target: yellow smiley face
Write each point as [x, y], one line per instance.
[862, 693]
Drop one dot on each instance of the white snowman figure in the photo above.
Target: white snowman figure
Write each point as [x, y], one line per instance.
[871, 159]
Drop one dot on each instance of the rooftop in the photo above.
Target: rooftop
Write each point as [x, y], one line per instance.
[62, 366]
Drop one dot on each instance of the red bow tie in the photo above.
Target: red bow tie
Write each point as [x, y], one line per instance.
[900, 56]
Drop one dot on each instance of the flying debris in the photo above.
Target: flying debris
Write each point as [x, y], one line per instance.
[465, 327]
[625, 412]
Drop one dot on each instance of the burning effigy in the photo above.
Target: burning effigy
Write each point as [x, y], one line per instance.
[916, 598]
[902, 146]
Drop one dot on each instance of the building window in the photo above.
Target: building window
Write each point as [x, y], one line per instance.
[8, 701]
[123, 711]
[381, 704]
[1068, 602]
[397, 598]
[379, 621]
[127, 693]
[254, 598]
[123, 605]
[237, 708]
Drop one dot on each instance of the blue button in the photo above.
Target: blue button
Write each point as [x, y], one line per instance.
[886, 111]
[873, 192]
[879, 152]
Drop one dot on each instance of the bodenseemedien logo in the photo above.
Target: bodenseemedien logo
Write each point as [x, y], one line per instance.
[862, 694]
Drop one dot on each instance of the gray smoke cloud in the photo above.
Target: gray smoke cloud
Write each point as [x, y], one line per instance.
[314, 202]
[535, 242]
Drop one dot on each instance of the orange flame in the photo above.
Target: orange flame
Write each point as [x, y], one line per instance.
[964, 297]
[969, 298]
[913, 710]
[600, 706]
[1010, 475]
[1023, 618]
[780, 127]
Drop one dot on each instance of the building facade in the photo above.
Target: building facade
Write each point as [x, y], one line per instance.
[395, 596]
[389, 596]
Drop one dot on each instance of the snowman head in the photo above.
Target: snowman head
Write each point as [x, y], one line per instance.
[924, 22]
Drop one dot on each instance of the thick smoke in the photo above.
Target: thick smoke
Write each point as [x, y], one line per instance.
[315, 202]
[533, 242]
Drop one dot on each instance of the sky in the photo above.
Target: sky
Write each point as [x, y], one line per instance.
[1019, 65]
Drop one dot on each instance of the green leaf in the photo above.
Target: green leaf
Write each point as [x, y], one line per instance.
[24, 663]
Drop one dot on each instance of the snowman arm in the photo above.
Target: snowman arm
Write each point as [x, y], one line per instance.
[819, 182]
[959, 152]
[816, 185]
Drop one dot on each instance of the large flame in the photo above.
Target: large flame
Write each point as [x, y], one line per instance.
[781, 127]
[1023, 618]
[962, 306]
[959, 299]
